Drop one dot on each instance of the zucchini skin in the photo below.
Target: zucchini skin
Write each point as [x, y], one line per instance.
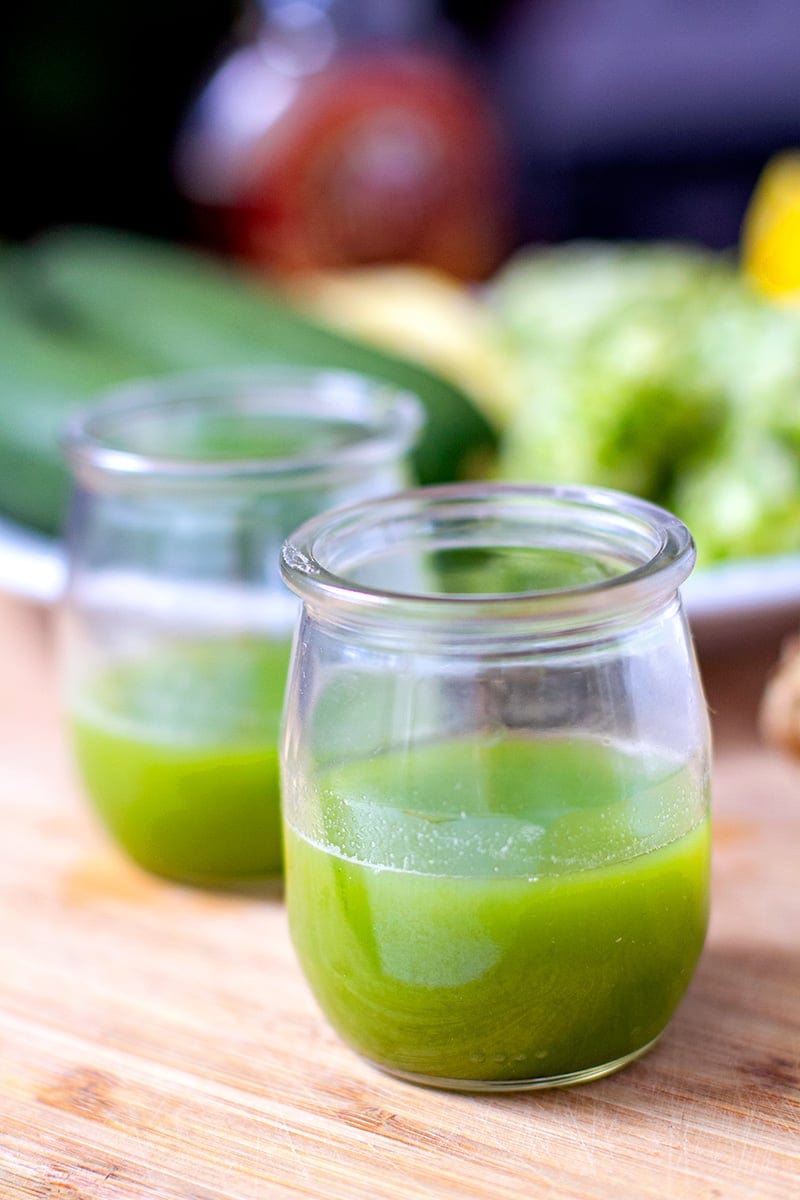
[82, 310]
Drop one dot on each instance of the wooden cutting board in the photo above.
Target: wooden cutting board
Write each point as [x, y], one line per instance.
[157, 1041]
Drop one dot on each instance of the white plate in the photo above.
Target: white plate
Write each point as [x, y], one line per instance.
[31, 565]
[723, 602]
[744, 599]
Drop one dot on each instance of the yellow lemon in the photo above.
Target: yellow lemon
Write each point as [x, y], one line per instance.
[771, 230]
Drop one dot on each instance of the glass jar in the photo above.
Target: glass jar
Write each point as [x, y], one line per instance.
[177, 626]
[495, 765]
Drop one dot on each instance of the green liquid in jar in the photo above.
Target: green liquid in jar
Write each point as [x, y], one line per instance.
[178, 751]
[501, 911]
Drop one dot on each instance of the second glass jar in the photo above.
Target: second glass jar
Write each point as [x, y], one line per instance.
[177, 626]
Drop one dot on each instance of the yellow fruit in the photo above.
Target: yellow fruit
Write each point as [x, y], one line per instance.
[420, 314]
[771, 230]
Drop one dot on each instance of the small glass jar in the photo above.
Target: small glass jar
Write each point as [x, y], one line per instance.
[176, 628]
[495, 766]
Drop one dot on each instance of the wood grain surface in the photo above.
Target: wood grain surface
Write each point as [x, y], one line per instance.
[157, 1041]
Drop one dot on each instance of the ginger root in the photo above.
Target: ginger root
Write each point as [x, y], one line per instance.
[779, 716]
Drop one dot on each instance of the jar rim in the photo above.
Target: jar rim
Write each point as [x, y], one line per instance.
[384, 421]
[309, 566]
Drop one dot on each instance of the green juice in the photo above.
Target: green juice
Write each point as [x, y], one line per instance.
[178, 751]
[505, 911]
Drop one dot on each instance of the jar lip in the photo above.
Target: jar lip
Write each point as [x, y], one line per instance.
[649, 582]
[385, 421]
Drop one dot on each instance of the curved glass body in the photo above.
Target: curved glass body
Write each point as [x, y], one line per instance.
[495, 769]
[177, 626]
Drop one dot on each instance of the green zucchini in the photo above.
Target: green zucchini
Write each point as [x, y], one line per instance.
[48, 368]
[84, 309]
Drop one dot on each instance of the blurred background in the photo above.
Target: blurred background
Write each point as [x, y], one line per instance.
[619, 176]
[624, 118]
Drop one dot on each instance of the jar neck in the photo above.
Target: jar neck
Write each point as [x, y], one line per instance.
[487, 564]
[223, 432]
